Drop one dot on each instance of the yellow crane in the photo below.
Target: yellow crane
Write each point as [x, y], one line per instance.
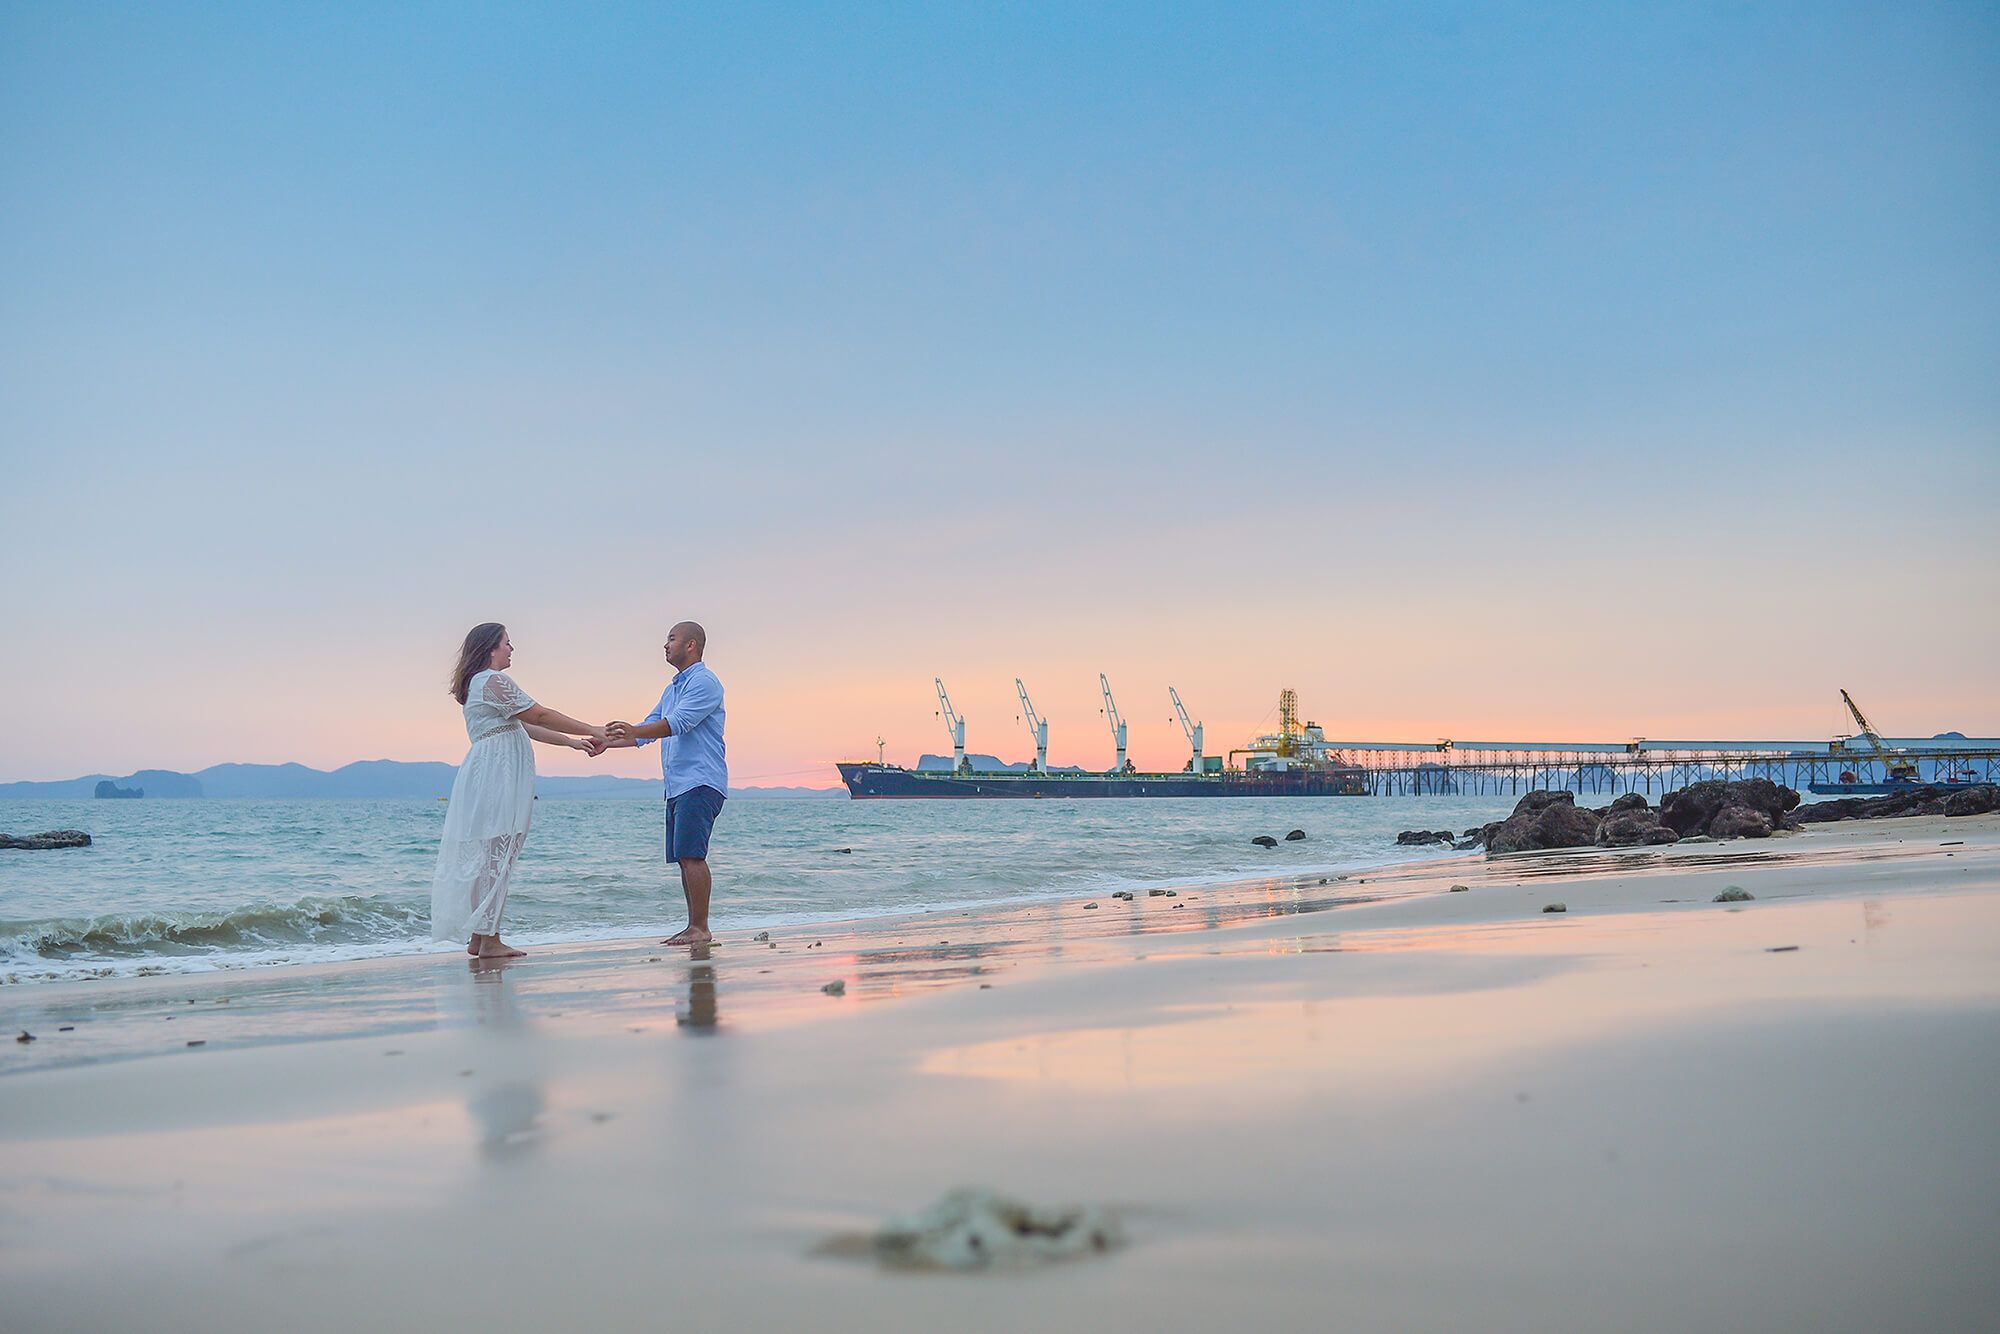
[1897, 772]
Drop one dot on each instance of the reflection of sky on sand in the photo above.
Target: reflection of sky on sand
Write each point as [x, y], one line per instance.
[1488, 992]
[55, 1201]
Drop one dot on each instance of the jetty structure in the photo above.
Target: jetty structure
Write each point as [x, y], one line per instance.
[1300, 760]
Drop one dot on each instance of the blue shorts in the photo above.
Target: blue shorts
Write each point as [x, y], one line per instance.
[690, 817]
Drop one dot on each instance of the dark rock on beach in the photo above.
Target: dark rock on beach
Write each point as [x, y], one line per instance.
[1629, 827]
[1739, 822]
[1981, 800]
[1421, 837]
[1693, 809]
[1926, 800]
[1265, 841]
[1542, 820]
[54, 838]
[1295, 836]
[1629, 801]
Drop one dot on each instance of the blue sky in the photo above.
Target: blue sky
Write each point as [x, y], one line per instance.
[1530, 369]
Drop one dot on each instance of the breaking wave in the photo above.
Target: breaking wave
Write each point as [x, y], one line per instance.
[342, 920]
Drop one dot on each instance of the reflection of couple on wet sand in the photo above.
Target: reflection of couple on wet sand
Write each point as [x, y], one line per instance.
[493, 796]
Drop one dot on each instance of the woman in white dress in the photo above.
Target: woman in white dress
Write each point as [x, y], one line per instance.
[494, 793]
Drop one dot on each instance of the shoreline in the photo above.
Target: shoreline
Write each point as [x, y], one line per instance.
[989, 935]
[20, 974]
[1418, 1108]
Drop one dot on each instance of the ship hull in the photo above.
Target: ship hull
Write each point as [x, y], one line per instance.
[892, 782]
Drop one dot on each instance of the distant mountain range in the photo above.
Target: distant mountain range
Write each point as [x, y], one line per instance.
[366, 778]
[989, 764]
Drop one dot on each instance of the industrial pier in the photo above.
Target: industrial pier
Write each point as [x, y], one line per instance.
[1300, 760]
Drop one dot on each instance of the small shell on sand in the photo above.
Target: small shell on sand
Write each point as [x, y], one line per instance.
[972, 1228]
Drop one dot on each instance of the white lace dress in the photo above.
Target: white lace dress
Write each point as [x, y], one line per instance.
[487, 822]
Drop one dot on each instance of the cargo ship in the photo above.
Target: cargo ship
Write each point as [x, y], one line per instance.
[1294, 761]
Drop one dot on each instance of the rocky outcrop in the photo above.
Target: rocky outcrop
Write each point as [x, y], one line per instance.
[1632, 827]
[54, 838]
[1693, 809]
[1739, 822]
[1542, 820]
[1420, 837]
[1915, 801]
[1629, 801]
[1981, 800]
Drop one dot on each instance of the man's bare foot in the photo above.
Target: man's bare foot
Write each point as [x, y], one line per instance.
[492, 947]
[692, 935]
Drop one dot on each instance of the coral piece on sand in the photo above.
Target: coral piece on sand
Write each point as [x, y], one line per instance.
[973, 1228]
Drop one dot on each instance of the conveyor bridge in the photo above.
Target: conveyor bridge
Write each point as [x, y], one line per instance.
[1645, 765]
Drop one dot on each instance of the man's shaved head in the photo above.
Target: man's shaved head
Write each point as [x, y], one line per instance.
[692, 630]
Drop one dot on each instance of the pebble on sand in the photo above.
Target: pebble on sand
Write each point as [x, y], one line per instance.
[1460, 889]
[1088, 906]
[1735, 894]
[761, 935]
[1555, 907]
[835, 987]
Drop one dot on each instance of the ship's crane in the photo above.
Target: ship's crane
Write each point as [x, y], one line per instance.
[954, 723]
[1896, 773]
[1117, 723]
[1038, 728]
[1193, 731]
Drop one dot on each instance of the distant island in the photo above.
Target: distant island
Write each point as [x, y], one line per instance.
[376, 779]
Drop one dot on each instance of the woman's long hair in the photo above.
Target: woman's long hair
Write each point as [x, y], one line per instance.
[474, 655]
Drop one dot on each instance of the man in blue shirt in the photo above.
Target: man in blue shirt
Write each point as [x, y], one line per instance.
[688, 720]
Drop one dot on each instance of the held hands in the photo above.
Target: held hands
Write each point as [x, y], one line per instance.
[619, 731]
[589, 745]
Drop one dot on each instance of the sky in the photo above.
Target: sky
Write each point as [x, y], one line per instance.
[1494, 371]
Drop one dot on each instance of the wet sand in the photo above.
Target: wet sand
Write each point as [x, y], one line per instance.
[1368, 1103]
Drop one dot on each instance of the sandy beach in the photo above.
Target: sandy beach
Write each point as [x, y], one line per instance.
[1365, 1103]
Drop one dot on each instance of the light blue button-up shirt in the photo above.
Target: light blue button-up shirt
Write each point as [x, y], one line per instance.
[693, 756]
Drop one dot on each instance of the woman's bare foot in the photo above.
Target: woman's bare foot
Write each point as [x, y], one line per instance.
[691, 935]
[492, 947]
[473, 948]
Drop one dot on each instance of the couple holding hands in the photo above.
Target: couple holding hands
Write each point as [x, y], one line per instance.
[493, 796]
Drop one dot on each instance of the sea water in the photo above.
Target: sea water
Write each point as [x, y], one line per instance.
[177, 886]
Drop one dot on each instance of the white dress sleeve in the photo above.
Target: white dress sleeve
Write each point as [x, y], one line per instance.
[502, 695]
